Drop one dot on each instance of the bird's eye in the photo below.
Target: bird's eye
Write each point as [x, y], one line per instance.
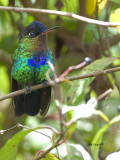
[31, 34]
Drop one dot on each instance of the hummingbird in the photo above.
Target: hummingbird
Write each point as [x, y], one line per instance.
[29, 68]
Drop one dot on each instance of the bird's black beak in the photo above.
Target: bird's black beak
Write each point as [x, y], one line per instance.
[49, 30]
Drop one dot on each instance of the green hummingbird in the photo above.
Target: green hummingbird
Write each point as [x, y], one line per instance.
[29, 68]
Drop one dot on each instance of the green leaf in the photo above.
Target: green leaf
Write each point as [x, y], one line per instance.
[102, 115]
[115, 17]
[76, 91]
[71, 129]
[98, 137]
[9, 150]
[50, 156]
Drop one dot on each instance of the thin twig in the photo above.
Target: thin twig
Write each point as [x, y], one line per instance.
[3, 131]
[42, 85]
[103, 95]
[52, 129]
[61, 13]
[57, 93]
[86, 61]
[20, 125]
[25, 127]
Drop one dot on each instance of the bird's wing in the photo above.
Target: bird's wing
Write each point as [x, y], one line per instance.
[17, 101]
[45, 100]
[14, 87]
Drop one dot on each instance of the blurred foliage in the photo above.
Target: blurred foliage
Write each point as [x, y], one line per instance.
[4, 80]
[98, 121]
[115, 17]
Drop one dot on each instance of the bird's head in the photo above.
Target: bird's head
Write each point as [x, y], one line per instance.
[33, 36]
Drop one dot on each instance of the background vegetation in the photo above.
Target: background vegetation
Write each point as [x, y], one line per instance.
[96, 131]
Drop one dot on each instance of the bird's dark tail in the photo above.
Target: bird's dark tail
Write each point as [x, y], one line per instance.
[32, 103]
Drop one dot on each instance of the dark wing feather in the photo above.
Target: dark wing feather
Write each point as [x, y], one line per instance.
[36, 101]
[32, 102]
[14, 87]
[18, 100]
[45, 100]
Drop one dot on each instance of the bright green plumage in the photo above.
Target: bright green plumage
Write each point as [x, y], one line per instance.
[29, 68]
[26, 74]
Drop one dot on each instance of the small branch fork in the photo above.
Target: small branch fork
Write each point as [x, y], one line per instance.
[61, 13]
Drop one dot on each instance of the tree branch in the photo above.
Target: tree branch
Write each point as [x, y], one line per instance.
[61, 13]
[60, 80]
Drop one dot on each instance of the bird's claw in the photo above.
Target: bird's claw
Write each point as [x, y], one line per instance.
[28, 89]
[45, 83]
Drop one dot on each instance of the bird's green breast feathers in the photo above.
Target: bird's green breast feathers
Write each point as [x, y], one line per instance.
[30, 68]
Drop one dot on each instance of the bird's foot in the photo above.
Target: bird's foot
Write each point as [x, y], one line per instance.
[45, 83]
[28, 89]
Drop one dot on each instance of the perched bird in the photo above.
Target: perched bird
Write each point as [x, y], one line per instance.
[29, 68]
